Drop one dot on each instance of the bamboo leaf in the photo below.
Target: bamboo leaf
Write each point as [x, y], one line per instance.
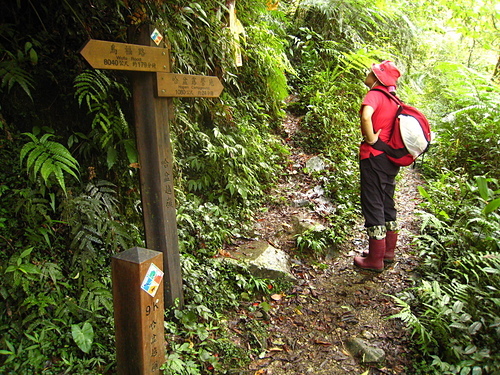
[482, 185]
[423, 192]
[492, 206]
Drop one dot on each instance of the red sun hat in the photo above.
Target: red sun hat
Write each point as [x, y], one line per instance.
[386, 72]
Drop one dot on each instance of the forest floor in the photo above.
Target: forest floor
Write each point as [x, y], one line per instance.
[333, 301]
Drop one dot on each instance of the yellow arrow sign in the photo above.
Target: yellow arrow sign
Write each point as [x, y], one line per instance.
[102, 54]
[188, 86]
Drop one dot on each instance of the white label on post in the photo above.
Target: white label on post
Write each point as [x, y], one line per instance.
[152, 280]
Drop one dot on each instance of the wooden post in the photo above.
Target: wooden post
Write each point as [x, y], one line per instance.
[138, 311]
[153, 87]
[152, 116]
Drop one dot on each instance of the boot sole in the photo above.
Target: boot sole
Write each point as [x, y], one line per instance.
[378, 270]
[386, 260]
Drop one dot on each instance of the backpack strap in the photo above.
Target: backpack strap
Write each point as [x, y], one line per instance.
[382, 146]
[393, 97]
[390, 96]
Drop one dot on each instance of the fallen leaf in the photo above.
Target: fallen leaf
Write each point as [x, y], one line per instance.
[225, 253]
[319, 342]
[275, 349]
[277, 297]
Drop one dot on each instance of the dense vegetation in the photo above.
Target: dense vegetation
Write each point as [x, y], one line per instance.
[69, 185]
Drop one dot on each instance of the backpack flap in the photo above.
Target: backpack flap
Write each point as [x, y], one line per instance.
[412, 135]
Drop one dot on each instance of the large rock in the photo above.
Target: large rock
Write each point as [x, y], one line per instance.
[362, 349]
[264, 260]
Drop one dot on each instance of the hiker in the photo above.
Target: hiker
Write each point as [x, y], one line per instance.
[378, 173]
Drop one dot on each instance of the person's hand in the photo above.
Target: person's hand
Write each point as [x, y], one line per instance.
[374, 138]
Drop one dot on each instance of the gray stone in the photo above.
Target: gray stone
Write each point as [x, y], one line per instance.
[300, 203]
[324, 206]
[362, 349]
[264, 260]
[301, 224]
[315, 192]
[315, 164]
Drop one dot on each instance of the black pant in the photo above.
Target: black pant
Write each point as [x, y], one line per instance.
[377, 190]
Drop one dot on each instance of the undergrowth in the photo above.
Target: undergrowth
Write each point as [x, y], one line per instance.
[453, 311]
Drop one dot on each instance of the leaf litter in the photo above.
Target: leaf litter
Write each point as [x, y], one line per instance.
[332, 302]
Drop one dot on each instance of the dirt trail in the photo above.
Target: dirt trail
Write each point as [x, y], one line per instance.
[334, 301]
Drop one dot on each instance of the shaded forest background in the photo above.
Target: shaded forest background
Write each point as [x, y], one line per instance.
[69, 182]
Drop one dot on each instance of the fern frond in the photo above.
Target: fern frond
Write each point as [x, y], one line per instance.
[46, 169]
[36, 159]
[65, 167]
[46, 158]
[11, 74]
[406, 315]
[93, 219]
[25, 150]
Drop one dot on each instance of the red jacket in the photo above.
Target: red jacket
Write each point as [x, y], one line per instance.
[383, 118]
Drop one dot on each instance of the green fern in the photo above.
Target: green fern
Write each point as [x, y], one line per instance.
[97, 92]
[94, 220]
[11, 74]
[423, 336]
[46, 158]
[11, 70]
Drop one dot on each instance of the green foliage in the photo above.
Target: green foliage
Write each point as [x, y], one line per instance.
[324, 30]
[110, 130]
[460, 227]
[226, 163]
[83, 336]
[213, 276]
[226, 158]
[94, 219]
[46, 158]
[204, 227]
[198, 336]
[41, 310]
[453, 311]
[467, 121]
[316, 241]
[456, 326]
[454, 206]
[55, 286]
[12, 65]
[266, 52]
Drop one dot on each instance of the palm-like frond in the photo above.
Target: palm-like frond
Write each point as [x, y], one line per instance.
[46, 158]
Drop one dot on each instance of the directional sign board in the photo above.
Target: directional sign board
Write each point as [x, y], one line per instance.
[188, 86]
[101, 54]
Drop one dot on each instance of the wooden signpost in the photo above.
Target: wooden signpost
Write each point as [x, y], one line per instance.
[101, 54]
[153, 87]
[139, 316]
[152, 130]
[138, 311]
[188, 86]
